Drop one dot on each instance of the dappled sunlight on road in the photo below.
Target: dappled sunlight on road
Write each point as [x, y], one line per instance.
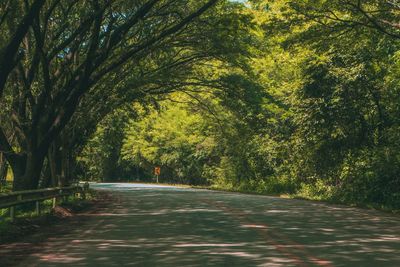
[185, 227]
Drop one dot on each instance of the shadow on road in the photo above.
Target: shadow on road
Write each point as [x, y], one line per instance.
[184, 227]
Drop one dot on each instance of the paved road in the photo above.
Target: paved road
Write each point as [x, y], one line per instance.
[168, 226]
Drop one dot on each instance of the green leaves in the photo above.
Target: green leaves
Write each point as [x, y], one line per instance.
[173, 138]
[286, 96]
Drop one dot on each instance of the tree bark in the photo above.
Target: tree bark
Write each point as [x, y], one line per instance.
[59, 159]
[27, 170]
[3, 169]
[53, 159]
[45, 180]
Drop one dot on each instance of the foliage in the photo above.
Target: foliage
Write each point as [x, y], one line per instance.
[176, 139]
[319, 119]
[58, 88]
[298, 97]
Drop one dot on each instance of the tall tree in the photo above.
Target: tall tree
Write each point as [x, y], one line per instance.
[72, 47]
[15, 20]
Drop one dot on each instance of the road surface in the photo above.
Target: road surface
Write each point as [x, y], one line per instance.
[168, 226]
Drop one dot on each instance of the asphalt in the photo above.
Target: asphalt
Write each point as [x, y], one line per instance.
[149, 225]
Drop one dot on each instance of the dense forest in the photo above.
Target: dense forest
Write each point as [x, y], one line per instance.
[266, 96]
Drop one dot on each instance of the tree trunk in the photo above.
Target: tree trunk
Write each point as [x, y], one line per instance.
[3, 169]
[65, 175]
[53, 159]
[45, 180]
[73, 164]
[27, 170]
[59, 158]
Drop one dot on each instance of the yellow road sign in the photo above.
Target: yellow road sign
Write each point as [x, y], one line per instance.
[157, 171]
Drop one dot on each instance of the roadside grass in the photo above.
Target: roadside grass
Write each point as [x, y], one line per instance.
[339, 201]
[308, 196]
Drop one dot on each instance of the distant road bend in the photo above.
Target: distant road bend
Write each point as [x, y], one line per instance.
[169, 226]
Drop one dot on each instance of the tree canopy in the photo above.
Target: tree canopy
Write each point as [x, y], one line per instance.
[298, 97]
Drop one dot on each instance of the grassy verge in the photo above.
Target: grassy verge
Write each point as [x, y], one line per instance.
[27, 222]
[305, 196]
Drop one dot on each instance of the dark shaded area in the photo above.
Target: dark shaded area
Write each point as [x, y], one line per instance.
[167, 226]
[27, 233]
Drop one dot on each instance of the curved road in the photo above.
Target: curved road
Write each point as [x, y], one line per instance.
[168, 226]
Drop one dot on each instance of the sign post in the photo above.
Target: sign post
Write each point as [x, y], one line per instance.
[157, 172]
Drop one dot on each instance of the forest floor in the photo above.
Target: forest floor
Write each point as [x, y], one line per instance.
[154, 225]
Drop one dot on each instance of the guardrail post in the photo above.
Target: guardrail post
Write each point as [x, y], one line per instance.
[54, 202]
[86, 186]
[85, 189]
[61, 197]
[12, 213]
[37, 208]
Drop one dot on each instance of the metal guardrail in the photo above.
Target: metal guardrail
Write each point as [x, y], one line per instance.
[11, 200]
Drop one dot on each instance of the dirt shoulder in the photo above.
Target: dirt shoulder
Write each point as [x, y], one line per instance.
[25, 235]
